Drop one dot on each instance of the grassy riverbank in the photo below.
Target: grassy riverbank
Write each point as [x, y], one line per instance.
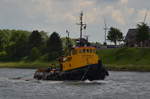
[36, 64]
[130, 59]
[122, 59]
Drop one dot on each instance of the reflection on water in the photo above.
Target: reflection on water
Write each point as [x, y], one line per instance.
[19, 84]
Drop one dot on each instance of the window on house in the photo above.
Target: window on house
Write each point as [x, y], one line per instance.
[84, 50]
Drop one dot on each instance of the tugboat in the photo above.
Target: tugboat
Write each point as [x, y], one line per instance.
[81, 63]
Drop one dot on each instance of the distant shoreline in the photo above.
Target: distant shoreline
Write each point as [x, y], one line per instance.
[117, 59]
[25, 65]
[111, 67]
[126, 59]
[134, 68]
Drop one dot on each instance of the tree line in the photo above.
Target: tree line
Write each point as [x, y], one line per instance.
[24, 45]
[142, 35]
[38, 45]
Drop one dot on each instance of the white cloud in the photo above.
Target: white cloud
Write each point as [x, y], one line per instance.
[85, 3]
[118, 16]
[69, 17]
[141, 15]
[57, 14]
[125, 2]
[130, 10]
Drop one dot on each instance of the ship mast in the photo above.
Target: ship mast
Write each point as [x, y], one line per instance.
[68, 42]
[82, 26]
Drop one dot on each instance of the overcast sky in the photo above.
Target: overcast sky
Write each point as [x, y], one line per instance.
[59, 15]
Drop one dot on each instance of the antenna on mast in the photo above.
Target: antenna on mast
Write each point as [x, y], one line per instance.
[67, 33]
[105, 30]
[87, 37]
[82, 26]
[68, 42]
[145, 16]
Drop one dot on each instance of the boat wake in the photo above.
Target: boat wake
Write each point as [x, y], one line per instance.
[86, 82]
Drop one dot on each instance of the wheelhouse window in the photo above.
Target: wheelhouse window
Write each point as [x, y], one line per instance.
[81, 51]
[91, 51]
[94, 51]
[88, 50]
[84, 50]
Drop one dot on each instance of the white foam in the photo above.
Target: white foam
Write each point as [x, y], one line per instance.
[52, 82]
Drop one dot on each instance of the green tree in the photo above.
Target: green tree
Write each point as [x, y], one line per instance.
[67, 44]
[44, 42]
[44, 35]
[35, 54]
[17, 44]
[142, 33]
[4, 39]
[114, 35]
[35, 39]
[54, 46]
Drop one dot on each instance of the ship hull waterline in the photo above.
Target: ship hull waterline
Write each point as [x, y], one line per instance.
[89, 72]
